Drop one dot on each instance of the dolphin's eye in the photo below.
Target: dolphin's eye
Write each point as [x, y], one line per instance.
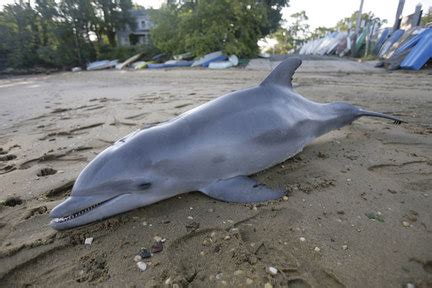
[144, 185]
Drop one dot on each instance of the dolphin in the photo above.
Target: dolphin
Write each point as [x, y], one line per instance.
[211, 148]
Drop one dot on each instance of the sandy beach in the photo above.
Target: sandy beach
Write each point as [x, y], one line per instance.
[358, 212]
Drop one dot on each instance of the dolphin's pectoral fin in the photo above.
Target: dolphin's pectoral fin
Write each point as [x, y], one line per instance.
[241, 189]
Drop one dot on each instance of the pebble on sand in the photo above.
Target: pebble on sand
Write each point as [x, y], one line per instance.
[142, 265]
[317, 249]
[405, 223]
[137, 258]
[302, 239]
[144, 253]
[344, 247]
[268, 285]
[88, 241]
[249, 281]
[272, 270]
[157, 247]
[285, 198]
[238, 272]
[157, 238]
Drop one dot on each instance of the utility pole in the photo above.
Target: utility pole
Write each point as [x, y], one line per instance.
[398, 15]
[357, 30]
[359, 17]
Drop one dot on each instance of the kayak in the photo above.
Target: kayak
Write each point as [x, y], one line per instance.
[170, 64]
[420, 53]
[207, 59]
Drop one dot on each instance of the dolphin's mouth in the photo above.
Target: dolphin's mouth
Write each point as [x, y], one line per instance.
[82, 212]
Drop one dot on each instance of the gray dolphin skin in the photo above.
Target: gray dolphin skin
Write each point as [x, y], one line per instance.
[211, 148]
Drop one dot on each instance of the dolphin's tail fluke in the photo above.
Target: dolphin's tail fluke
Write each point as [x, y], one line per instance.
[362, 113]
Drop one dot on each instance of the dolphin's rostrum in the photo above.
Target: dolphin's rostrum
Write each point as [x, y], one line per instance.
[212, 148]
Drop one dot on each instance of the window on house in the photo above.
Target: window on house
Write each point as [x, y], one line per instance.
[143, 24]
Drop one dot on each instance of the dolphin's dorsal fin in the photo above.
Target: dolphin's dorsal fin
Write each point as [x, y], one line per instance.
[283, 73]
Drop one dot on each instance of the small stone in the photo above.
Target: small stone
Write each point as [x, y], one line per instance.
[219, 276]
[268, 285]
[252, 260]
[168, 281]
[202, 253]
[254, 208]
[285, 198]
[272, 270]
[223, 282]
[88, 241]
[405, 223]
[410, 285]
[142, 266]
[137, 258]
[249, 281]
[206, 242]
[302, 239]
[157, 238]
[238, 272]
[317, 249]
[228, 237]
[175, 285]
[190, 217]
[211, 210]
[344, 247]
[192, 226]
[144, 253]
[157, 247]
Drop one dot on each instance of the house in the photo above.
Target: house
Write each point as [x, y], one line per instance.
[138, 35]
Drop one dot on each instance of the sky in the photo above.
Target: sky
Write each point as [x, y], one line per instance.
[327, 12]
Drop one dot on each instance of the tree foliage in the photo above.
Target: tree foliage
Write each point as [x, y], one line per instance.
[351, 22]
[205, 26]
[292, 34]
[59, 33]
[426, 19]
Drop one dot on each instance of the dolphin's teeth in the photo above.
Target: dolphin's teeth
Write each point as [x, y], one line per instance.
[79, 213]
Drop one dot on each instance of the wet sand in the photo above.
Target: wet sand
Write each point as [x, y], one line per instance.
[358, 212]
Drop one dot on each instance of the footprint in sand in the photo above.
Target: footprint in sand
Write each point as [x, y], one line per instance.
[246, 245]
[411, 167]
[427, 266]
[61, 191]
[12, 201]
[46, 172]
[8, 157]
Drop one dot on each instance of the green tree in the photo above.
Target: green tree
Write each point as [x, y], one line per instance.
[351, 21]
[320, 32]
[205, 26]
[19, 33]
[294, 33]
[426, 18]
[114, 16]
